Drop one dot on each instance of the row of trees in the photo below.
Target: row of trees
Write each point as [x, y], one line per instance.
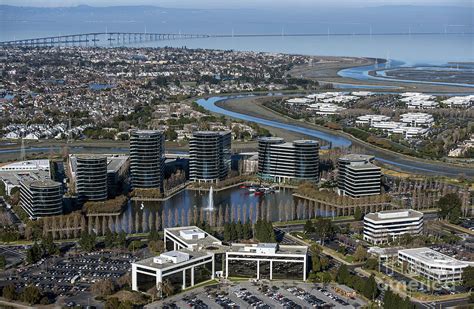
[237, 231]
[46, 248]
[107, 287]
[394, 301]
[114, 239]
[264, 231]
[321, 229]
[367, 287]
[449, 207]
[427, 192]
[30, 294]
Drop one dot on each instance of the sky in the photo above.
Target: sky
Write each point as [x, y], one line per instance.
[237, 3]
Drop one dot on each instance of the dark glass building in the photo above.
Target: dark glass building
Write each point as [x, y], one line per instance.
[91, 178]
[41, 198]
[358, 176]
[146, 159]
[210, 154]
[283, 162]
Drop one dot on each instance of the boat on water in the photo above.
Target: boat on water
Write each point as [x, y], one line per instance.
[261, 190]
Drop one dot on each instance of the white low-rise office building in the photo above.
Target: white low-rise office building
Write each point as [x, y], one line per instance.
[417, 119]
[411, 132]
[384, 226]
[188, 237]
[266, 261]
[195, 256]
[368, 120]
[182, 269]
[460, 101]
[325, 108]
[410, 126]
[432, 265]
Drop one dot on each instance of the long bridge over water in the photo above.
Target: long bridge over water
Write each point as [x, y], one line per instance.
[92, 39]
[123, 38]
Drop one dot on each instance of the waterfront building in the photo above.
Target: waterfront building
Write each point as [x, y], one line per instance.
[210, 156]
[358, 176]
[41, 198]
[385, 226]
[432, 265]
[266, 261]
[146, 159]
[284, 162]
[417, 119]
[91, 178]
[182, 269]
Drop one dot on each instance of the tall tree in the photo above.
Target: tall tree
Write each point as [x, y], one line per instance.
[468, 277]
[449, 207]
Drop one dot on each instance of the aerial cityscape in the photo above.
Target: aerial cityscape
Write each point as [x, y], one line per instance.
[237, 154]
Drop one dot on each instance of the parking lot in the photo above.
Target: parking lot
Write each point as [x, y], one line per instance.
[261, 294]
[69, 276]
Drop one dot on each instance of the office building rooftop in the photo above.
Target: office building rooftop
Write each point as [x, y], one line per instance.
[430, 256]
[395, 214]
[192, 235]
[171, 258]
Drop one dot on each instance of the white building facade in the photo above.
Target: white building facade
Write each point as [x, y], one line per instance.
[385, 226]
[433, 265]
[194, 256]
[182, 269]
[266, 261]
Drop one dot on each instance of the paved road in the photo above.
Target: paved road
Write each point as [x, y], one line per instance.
[442, 304]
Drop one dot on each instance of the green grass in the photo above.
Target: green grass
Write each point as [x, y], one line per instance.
[205, 283]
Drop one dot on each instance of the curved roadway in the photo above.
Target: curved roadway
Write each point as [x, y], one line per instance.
[400, 162]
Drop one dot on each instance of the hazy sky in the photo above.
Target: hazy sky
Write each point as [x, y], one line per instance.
[236, 3]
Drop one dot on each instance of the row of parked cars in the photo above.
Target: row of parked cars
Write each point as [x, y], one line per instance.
[251, 299]
[309, 298]
[194, 302]
[285, 302]
[332, 296]
[225, 302]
